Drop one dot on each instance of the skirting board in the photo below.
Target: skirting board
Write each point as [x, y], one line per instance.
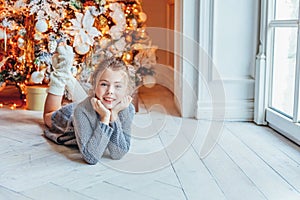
[241, 110]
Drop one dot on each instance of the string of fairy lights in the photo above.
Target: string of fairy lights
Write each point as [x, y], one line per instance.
[30, 31]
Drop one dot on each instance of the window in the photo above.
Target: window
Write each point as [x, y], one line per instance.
[283, 62]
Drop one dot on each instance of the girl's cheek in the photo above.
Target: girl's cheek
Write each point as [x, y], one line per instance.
[98, 94]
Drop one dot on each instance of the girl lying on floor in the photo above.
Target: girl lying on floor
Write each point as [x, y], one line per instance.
[95, 122]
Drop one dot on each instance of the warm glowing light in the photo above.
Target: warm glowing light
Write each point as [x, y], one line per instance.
[135, 11]
[25, 43]
[1, 105]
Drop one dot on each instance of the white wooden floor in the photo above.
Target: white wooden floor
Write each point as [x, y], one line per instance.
[248, 161]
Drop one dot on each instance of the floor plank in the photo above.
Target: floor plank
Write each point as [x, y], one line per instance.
[228, 174]
[164, 162]
[50, 191]
[195, 179]
[6, 194]
[108, 191]
[287, 168]
[256, 169]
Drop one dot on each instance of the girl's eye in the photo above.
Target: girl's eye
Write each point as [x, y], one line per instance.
[119, 86]
[103, 84]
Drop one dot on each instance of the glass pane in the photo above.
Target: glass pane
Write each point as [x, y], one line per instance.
[284, 65]
[286, 9]
[298, 111]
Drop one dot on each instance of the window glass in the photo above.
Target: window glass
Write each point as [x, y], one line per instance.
[286, 9]
[284, 67]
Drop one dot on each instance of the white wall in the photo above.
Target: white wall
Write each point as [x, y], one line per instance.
[227, 37]
[234, 37]
[234, 46]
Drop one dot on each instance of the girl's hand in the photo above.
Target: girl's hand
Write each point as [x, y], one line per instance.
[104, 113]
[124, 103]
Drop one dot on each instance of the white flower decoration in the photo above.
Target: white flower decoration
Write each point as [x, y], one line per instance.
[116, 32]
[7, 24]
[83, 30]
[119, 19]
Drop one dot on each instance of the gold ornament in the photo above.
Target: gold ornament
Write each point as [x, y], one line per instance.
[105, 30]
[142, 16]
[128, 38]
[102, 21]
[127, 57]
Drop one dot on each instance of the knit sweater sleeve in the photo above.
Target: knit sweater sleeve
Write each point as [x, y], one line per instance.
[92, 135]
[119, 142]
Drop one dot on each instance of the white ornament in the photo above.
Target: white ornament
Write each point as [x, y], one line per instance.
[120, 44]
[82, 49]
[116, 32]
[149, 81]
[21, 43]
[52, 44]
[20, 4]
[41, 25]
[37, 76]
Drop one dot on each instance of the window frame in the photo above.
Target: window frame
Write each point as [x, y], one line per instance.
[278, 121]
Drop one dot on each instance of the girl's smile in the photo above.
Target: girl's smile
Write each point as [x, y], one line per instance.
[108, 100]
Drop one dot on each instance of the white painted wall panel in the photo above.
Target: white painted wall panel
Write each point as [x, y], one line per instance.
[235, 37]
[232, 32]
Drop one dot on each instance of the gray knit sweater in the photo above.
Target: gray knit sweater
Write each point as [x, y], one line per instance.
[92, 136]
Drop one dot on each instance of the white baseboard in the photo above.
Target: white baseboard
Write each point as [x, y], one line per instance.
[241, 110]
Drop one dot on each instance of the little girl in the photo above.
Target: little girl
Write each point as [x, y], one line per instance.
[102, 120]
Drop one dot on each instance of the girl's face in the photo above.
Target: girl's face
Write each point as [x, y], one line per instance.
[111, 87]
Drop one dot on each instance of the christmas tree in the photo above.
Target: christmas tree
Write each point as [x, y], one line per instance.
[31, 30]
